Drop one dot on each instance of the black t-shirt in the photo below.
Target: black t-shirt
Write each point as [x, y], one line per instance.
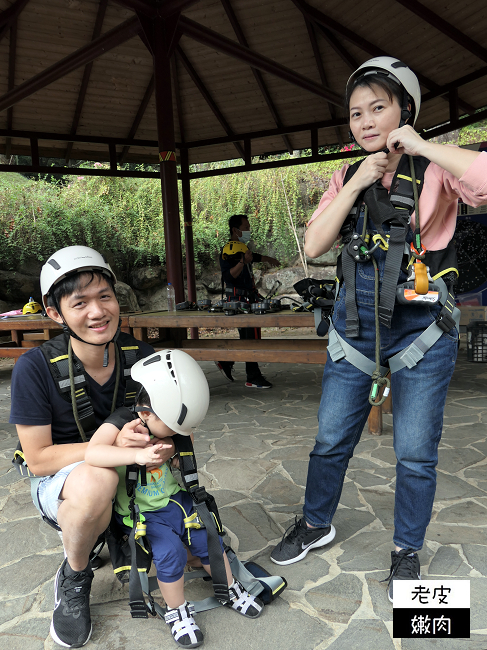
[36, 400]
[243, 281]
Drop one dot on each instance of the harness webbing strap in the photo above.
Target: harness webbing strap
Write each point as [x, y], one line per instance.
[392, 268]
[348, 270]
[338, 349]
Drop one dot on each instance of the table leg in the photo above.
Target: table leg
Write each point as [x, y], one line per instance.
[374, 421]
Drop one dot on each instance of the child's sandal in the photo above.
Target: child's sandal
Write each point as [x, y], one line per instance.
[183, 627]
[242, 602]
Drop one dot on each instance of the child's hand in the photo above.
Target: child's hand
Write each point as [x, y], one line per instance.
[175, 462]
[151, 455]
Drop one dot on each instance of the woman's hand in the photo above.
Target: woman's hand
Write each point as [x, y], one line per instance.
[407, 141]
[372, 169]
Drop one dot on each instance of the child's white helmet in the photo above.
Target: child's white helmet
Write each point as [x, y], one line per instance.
[177, 388]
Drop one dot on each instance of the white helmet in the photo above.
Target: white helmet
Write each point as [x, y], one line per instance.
[177, 388]
[72, 259]
[398, 72]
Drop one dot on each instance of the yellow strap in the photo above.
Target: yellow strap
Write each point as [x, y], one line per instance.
[64, 356]
[131, 347]
[186, 453]
[408, 178]
[438, 275]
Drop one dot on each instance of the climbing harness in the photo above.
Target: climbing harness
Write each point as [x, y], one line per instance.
[430, 274]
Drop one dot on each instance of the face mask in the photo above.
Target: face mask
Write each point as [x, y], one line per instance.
[245, 238]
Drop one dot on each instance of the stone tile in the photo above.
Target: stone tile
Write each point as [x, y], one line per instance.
[478, 604]
[236, 475]
[338, 599]
[451, 534]
[349, 496]
[5, 465]
[26, 537]
[476, 642]
[367, 479]
[278, 489]
[362, 634]
[13, 607]
[295, 452]
[447, 561]
[28, 574]
[11, 477]
[251, 524]
[382, 503]
[481, 446]
[356, 462]
[19, 506]
[298, 575]
[476, 555]
[453, 460]
[466, 512]
[224, 497]
[385, 454]
[367, 552]
[241, 447]
[298, 469]
[479, 472]
[30, 634]
[451, 487]
[347, 522]
[378, 594]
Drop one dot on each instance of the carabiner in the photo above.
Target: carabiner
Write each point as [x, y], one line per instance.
[380, 241]
[418, 255]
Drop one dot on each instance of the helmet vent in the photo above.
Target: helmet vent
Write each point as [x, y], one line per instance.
[182, 415]
[152, 360]
[54, 264]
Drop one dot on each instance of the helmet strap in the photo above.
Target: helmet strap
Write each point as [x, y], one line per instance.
[67, 330]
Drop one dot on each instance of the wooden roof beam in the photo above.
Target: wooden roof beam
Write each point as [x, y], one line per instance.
[342, 52]
[179, 101]
[445, 27]
[10, 15]
[257, 73]
[84, 55]
[138, 117]
[208, 98]
[153, 8]
[321, 71]
[86, 77]
[461, 81]
[222, 44]
[322, 19]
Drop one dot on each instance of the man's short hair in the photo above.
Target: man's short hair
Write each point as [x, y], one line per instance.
[235, 221]
[67, 286]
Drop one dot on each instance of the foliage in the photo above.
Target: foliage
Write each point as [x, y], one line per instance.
[122, 217]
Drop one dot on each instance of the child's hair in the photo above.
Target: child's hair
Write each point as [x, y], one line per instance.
[143, 398]
[67, 286]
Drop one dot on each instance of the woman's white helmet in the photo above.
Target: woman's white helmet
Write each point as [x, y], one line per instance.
[69, 260]
[398, 72]
[177, 388]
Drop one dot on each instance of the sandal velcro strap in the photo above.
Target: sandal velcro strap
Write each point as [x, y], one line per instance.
[183, 627]
[243, 603]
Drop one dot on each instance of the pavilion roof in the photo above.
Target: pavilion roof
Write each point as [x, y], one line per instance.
[250, 77]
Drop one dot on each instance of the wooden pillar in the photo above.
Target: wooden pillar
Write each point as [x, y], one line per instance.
[188, 231]
[163, 33]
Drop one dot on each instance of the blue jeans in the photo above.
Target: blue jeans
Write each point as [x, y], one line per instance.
[418, 396]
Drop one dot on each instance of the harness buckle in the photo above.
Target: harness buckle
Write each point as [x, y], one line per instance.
[357, 248]
[385, 315]
[199, 495]
[445, 321]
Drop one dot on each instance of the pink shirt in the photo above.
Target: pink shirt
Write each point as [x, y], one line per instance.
[438, 201]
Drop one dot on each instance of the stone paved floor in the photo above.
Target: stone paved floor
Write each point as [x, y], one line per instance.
[253, 449]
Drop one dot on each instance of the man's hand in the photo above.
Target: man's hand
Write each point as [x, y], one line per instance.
[133, 434]
[248, 257]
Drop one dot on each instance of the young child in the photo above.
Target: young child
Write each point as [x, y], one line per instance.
[174, 398]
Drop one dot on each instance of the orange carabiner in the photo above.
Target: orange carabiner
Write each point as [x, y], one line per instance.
[421, 282]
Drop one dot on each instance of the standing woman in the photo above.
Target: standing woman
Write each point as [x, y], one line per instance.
[396, 212]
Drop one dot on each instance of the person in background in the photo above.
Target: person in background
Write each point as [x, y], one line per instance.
[236, 261]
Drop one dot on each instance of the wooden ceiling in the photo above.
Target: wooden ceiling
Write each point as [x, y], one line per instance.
[250, 77]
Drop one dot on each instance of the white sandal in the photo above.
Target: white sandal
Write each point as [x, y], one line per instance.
[183, 627]
[242, 602]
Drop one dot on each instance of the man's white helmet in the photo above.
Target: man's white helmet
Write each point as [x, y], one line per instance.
[398, 72]
[72, 259]
[177, 388]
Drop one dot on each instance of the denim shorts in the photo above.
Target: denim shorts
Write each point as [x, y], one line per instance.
[46, 490]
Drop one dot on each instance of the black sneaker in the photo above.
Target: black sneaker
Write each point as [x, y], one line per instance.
[404, 566]
[258, 382]
[71, 620]
[226, 368]
[295, 544]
